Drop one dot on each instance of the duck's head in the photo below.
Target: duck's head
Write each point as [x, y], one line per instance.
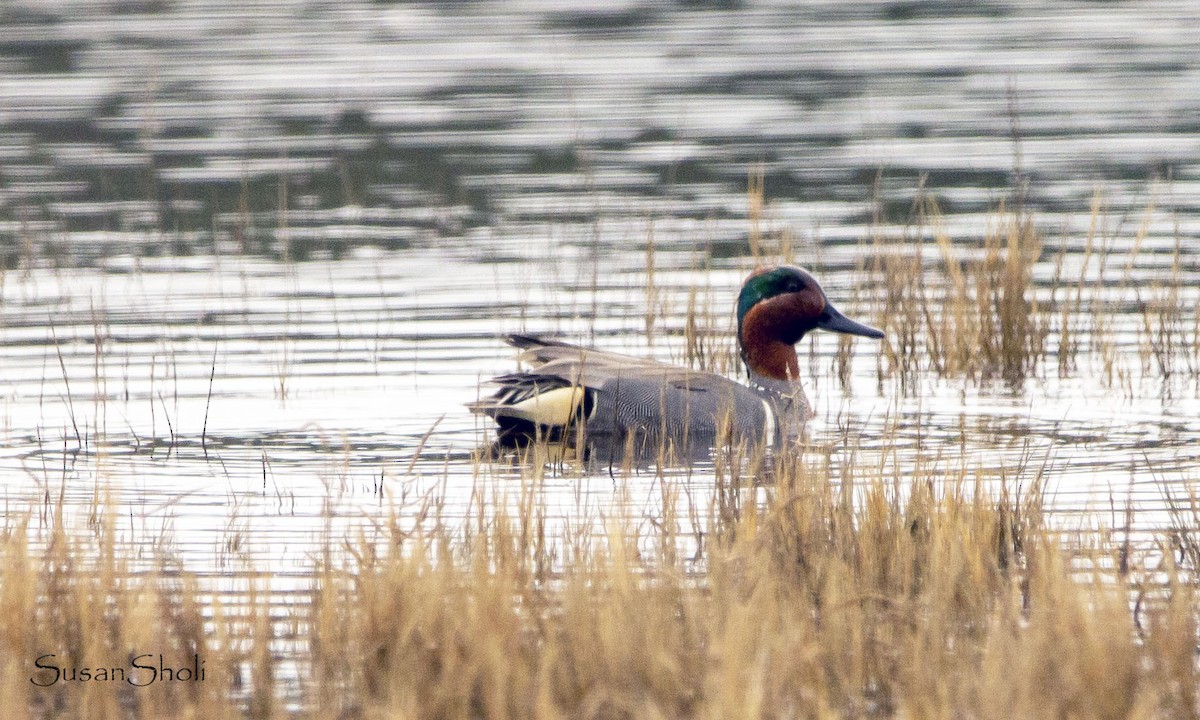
[778, 305]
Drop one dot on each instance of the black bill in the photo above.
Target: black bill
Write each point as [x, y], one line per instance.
[835, 321]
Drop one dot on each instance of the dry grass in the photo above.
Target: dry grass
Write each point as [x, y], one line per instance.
[978, 310]
[975, 309]
[868, 595]
[815, 590]
[78, 597]
[966, 314]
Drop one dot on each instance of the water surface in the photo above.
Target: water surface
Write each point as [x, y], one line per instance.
[259, 257]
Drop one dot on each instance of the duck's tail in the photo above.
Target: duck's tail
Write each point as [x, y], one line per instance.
[536, 401]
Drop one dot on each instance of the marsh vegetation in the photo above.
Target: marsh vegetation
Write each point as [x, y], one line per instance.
[256, 259]
[866, 576]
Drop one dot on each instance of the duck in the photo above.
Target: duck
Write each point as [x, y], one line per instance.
[610, 396]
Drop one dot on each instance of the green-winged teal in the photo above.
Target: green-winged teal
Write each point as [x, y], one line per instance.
[612, 395]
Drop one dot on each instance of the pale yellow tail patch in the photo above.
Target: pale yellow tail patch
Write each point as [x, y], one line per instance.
[552, 408]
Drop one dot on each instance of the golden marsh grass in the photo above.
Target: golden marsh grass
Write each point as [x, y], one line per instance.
[976, 309]
[847, 592]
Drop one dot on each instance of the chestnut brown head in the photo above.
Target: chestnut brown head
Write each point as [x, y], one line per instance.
[777, 306]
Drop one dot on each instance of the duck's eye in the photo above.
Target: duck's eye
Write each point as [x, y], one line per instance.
[794, 285]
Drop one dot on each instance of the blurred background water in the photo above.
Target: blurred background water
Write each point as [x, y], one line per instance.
[257, 256]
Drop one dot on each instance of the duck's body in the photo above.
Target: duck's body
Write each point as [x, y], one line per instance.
[611, 395]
